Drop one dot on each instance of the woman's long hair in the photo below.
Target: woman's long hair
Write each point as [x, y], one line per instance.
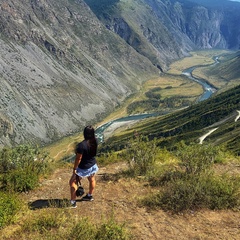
[89, 136]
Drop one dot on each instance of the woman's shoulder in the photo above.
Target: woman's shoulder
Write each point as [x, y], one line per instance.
[84, 142]
[81, 144]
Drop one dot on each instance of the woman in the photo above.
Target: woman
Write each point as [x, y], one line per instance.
[85, 165]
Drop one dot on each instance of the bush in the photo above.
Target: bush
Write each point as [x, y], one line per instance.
[205, 191]
[112, 231]
[108, 158]
[9, 206]
[195, 185]
[141, 155]
[196, 158]
[21, 167]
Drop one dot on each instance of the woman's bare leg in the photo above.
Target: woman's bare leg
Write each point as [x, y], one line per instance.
[92, 184]
[73, 187]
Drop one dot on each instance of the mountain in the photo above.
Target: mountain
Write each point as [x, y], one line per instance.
[60, 70]
[65, 64]
[171, 28]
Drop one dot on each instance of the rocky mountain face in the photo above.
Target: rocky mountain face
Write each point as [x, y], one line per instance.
[60, 69]
[166, 30]
[67, 63]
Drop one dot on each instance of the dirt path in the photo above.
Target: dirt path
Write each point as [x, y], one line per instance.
[121, 198]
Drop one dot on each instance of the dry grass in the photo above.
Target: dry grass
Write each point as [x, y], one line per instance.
[196, 58]
[120, 196]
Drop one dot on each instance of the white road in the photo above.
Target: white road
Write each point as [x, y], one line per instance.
[211, 131]
[237, 116]
[207, 134]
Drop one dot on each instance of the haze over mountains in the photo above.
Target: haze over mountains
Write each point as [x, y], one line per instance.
[65, 64]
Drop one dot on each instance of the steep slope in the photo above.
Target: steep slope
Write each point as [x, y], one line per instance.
[166, 30]
[60, 69]
[140, 25]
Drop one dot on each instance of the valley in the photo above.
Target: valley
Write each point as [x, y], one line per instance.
[173, 83]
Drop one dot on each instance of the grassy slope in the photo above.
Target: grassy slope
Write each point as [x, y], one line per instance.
[224, 75]
[193, 122]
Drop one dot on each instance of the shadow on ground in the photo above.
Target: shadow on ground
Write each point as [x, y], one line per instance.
[48, 203]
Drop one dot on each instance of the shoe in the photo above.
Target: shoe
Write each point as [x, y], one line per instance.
[87, 198]
[73, 204]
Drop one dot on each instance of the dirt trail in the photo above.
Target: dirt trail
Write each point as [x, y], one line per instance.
[121, 197]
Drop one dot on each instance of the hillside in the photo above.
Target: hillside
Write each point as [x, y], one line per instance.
[190, 124]
[225, 74]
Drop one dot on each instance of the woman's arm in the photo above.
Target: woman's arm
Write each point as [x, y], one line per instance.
[77, 161]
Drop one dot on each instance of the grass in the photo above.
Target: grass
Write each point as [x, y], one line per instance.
[58, 224]
[196, 58]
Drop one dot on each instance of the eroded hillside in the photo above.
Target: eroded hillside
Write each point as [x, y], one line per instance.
[60, 69]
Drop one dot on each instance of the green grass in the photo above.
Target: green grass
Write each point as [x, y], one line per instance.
[10, 204]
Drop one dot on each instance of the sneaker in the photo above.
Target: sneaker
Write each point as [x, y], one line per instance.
[73, 204]
[87, 198]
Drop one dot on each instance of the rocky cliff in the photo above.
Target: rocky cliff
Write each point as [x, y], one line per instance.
[166, 30]
[65, 63]
[60, 69]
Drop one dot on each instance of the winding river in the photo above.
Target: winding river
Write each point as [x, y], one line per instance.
[208, 91]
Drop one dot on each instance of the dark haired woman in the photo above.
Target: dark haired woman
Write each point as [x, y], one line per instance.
[85, 165]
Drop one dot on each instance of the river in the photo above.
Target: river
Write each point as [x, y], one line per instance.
[208, 91]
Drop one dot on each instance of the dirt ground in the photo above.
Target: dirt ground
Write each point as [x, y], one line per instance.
[121, 198]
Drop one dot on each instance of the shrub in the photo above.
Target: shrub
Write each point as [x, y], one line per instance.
[21, 167]
[196, 158]
[108, 158]
[195, 185]
[111, 230]
[141, 155]
[9, 206]
[205, 191]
